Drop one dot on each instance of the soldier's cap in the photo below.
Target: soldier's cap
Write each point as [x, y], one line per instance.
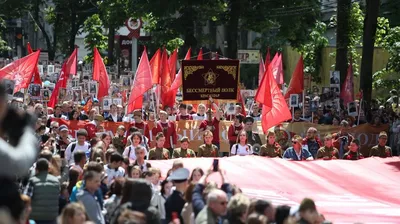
[382, 134]
[393, 91]
[179, 175]
[121, 127]
[63, 128]
[184, 139]
[137, 112]
[248, 119]
[98, 117]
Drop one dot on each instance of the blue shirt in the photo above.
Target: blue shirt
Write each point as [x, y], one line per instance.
[291, 154]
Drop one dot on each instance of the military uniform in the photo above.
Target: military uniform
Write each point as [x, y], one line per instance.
[331, 153]
[381, 151]
[353, 156]
[118, 142]
[183, 153]
[207, 151]
[268, 150]
[158, 154]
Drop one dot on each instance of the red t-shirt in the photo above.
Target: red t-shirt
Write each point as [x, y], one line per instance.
[168, 129]
[215, 124]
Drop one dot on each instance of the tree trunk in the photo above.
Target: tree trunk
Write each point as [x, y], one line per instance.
[111, 37]
[232, 28]
[49, 45]
[72, 35]
[370, 24]
[342, 37]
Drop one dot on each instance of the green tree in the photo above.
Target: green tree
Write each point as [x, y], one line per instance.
[370, 26]
[93, 27]
[66, 19]
[3, 44]
[388, 78]
[168, 20]
[342, 37]
[113, 13]
[312, 51]
[390, 9]
[353, 39]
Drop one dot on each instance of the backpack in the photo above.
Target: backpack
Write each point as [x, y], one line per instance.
[74, 145]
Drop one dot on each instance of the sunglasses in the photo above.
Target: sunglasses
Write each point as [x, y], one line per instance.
[294, 142]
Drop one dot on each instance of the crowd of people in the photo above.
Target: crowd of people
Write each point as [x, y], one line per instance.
[110, 179]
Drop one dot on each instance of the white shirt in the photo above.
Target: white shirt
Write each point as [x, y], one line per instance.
[196, 117]
[132, 155]
[113, 173]
[242, 150]
[115, 118]
[70, 156]
[127, 119]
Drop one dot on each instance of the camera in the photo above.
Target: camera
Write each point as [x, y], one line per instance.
[14, 123]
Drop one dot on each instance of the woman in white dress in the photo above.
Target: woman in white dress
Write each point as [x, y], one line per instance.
[241, 147]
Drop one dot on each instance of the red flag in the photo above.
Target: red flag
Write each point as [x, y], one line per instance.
[141, 84]
[278, 110]
[100, 74]
[347, 91]
[124, 96]
[166, 81]
[261, 70]
[267, 59]
[36, 75]
[69, 67]
[296, 85]
[277, 69]
[172, 63]
[178, 80]
[200, 56]
[241, 101]
[155, 64]
[21, 71]
[263, 94]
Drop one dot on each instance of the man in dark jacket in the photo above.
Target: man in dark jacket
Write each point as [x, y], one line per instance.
[43, 189]
[176, 201]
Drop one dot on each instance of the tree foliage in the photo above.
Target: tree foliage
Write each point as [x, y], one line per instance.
[312, 51]
[168, 20]
[93, 27]
[356, 24]
[289, 20]
[388, 78]
[65, 18]
[3, 44]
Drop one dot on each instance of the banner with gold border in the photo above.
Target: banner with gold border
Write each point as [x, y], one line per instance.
[203, 79]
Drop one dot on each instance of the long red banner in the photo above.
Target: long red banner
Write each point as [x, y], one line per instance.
[363, 191]
[366, 133]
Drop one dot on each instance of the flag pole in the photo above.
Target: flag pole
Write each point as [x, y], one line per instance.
[304, 113]
[359, 112]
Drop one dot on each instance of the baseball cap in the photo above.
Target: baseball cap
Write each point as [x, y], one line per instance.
[95, 100]
[98, 117]
[382, 134]
[180, 174]
[63, 128]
